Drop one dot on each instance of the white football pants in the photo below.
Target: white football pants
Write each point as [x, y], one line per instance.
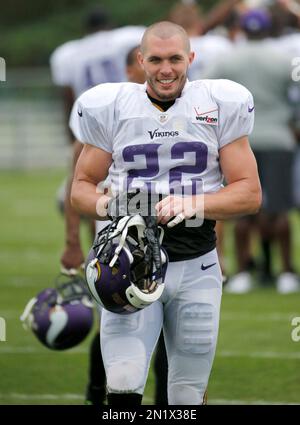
[189, 312]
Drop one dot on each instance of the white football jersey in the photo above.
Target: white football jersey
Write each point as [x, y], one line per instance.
[179, 146]
[208, 49]
[96, 58]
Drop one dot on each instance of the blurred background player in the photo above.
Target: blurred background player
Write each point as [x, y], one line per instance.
[134, 72]
[76, 66]
[289, 41]
[263, 68]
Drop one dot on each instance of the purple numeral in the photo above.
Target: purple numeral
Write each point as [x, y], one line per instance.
[178, 151]
[104, 71]
[150, 152]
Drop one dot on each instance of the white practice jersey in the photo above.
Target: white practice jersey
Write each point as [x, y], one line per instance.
[290, 43]
[208, 49]
[61, 62]
[96, 58]
[178, 146]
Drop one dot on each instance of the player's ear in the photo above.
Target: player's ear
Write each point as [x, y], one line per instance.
[191, 57]
[140, 58]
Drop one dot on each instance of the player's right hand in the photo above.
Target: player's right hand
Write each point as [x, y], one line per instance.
[131, 203]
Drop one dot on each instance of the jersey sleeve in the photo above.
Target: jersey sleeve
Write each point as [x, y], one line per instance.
[92, 116]
[236, 111]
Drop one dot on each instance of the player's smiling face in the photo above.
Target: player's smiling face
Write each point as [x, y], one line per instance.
[165, 62]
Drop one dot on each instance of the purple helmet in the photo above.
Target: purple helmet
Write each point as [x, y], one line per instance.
[60, 318]
[122, 274]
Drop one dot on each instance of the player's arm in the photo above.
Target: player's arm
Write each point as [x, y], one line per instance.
[72, 256]
[68, 100]
[218, 14]
[62, 75]
[242, 195]
[91, 170]
[291, 6]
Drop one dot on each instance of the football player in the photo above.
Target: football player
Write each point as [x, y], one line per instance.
[178, 139]
[274, 147]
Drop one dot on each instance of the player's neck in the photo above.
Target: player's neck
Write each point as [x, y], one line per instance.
[162, 105]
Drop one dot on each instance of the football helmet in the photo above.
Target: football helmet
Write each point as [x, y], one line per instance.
[126, 266]
[60, 317]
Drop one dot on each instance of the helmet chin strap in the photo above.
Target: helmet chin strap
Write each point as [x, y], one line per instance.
[124, 224]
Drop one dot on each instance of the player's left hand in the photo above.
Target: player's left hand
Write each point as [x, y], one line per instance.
[72, 258]
[179, 207]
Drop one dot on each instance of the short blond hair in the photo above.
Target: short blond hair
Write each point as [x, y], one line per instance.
[165, 30]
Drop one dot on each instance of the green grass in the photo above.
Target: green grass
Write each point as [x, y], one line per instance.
[256, 360]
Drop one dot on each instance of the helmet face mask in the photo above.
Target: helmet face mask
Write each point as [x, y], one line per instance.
[119, 276]
[60, 317]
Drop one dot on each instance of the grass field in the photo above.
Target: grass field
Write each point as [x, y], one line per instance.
[256, 360]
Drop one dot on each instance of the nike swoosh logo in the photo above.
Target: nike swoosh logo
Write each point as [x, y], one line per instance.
[250, 109]
[203, 267]
[79, 113]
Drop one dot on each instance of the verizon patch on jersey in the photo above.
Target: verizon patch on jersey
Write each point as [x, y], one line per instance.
[2, 69]
[210, 116]
[144, 414]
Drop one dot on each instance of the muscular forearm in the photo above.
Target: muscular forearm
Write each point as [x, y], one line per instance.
[72, 220]
[72, 217]
[292, 6]
[87, 201]
[239, 198]
[234, 200]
